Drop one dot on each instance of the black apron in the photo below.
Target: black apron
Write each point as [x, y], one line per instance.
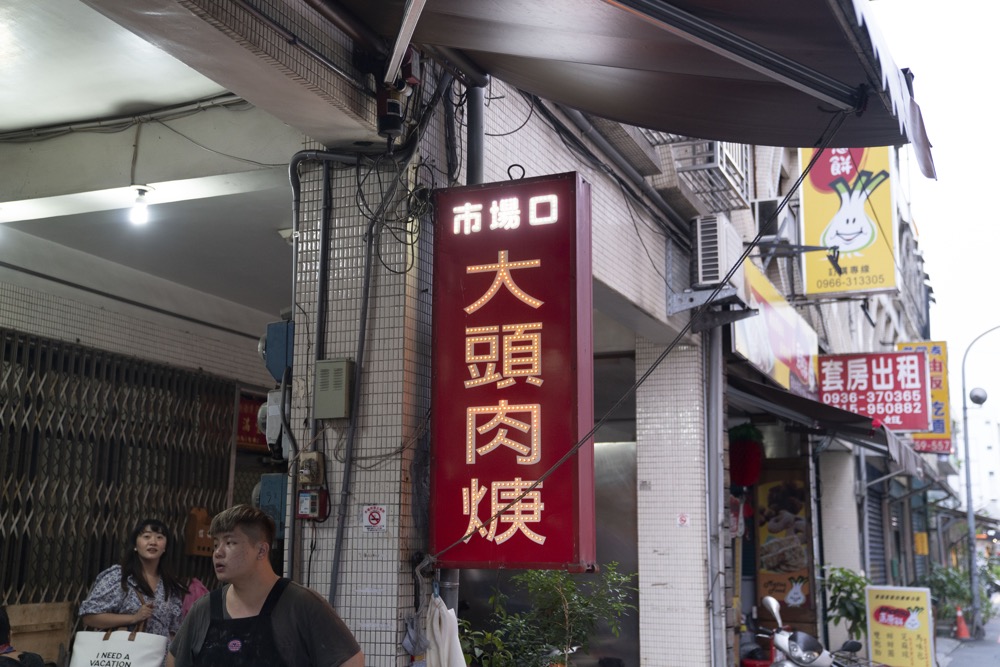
[241, 642]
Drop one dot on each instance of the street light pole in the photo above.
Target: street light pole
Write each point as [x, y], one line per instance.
[979, 397]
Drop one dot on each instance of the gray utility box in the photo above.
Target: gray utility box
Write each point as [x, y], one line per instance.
[332, 390]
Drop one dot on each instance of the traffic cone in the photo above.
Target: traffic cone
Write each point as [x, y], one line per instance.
[961, 629]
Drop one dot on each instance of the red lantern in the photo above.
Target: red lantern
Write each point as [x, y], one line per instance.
[746, 454]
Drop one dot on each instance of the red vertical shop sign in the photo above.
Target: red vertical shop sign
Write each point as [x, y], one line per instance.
[512, 385]
[891, 387]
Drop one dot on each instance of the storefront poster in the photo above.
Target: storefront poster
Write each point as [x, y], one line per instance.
[512, 384]
[900, 626]
[938, 439]
[784, 539]
[848, 204]
[893, 388]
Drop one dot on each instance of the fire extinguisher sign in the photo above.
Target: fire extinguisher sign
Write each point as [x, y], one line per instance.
[373, 518]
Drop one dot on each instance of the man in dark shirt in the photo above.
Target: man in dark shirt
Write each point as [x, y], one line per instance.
[258, 619]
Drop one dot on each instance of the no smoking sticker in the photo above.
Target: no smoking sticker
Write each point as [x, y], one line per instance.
[373, 518]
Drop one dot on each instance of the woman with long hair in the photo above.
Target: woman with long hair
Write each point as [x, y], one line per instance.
[141, 588]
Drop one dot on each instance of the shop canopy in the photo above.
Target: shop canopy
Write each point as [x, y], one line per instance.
[826, 420]
[774, 72]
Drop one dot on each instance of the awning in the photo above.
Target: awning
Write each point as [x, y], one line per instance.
[933, 478]
[773, 72]
[981, 520]
[854, 428]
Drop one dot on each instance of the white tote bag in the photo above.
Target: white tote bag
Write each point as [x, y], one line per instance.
[118, 648]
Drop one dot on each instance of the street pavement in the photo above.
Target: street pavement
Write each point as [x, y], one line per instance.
[970, 653]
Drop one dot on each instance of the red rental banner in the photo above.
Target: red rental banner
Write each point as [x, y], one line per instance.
[893, 388]
[512, 385]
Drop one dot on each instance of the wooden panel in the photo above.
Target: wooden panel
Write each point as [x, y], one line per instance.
[42, 628]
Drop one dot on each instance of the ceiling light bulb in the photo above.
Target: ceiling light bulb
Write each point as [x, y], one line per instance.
[139, 215]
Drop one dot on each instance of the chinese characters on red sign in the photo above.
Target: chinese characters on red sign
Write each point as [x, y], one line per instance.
[893, 388]
[512, 386]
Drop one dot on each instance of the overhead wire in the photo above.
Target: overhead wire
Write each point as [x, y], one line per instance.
[218, 152]
[227, 102]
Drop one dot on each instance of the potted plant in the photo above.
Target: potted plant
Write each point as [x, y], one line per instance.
[484, 648]
[846, 599]
[564, 612]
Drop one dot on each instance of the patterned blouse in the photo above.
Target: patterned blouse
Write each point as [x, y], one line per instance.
[107, 597]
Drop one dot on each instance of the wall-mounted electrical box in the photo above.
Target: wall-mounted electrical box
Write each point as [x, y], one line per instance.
[312, 468]
[273, 422]
[313, 504]
[276, 347]
[332, 390]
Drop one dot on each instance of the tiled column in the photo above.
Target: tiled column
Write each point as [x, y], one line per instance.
[672, 508]
[375, 584]
[840, 523]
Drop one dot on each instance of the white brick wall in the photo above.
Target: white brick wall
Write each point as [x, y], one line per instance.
[124, 330]
[672, 507]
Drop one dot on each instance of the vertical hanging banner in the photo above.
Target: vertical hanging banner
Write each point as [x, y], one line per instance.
[890, 387]
[780, 343]
[512, 386]
[848, 204]
[938, 439]
[900, 626]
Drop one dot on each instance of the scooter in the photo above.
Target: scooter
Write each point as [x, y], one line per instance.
[795, 648]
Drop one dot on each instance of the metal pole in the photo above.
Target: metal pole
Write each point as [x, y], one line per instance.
[716, 500]
[475, 138]
[970, 510]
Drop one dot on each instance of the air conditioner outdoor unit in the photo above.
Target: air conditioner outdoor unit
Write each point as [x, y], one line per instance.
[784, 225]
[717, 247]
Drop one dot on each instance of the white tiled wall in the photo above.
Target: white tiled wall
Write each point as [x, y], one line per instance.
[374, 586]
[126, 330]
[672, 505]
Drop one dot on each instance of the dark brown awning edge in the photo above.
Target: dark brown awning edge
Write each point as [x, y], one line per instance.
[854, 428]
[772, 73]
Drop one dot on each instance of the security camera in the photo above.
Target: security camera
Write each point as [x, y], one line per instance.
[978, 396]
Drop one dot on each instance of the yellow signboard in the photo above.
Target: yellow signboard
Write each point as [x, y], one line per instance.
[900, 626]
[848, 208]
[920, 544]
[938, 439]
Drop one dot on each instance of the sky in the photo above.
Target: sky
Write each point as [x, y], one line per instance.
[951, 47]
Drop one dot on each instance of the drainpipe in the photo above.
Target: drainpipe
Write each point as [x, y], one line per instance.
[674, 219]
[863, 502]
[475, 140]
[476, 137]
[817, 512]
[717, 500]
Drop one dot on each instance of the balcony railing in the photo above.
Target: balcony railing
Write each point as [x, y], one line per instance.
[718, 172]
